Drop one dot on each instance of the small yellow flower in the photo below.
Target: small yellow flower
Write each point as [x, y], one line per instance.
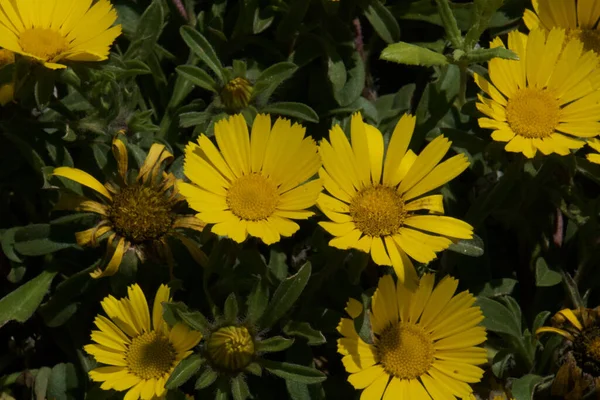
[7, 90]
[231, 348]
[140, 350]
[51, 31]
[594, 157]
[425, 344]
[252, 184]
[139, 213]
[381, 206]
[236, 94]
[545, 101]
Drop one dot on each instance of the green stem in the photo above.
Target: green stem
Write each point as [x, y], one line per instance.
[462, 90]
[450, 24]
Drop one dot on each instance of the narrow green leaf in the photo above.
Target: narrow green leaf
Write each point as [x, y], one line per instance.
[184, 371]
[257, 301]
[469, 247]
[147, 33]
[540, 320]
[483, 10]
[499, 318]
[285, 296]
[272, 77]
[291, 109]
[450, 24]
[382, 21]
[207, 378]
[294, 372]
[545, 276]
[239, 388]
[231, 308]
[202, 48]
[198, 77]
[484, 55]
[177, 311]
[22, 302]
[410, 54]
[274, 344]
[303, 329]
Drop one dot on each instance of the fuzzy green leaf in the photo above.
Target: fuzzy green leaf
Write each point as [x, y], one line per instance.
[544, 275]
[499, 318]
[294, 372]
[239, 388]
[257, 301]
[207, 378]
[524, 387]
[469, 247]
[291, 109]
[483, 10]
[231, 308]
[410, 54]
[484, 55]
[274, 344]
[382, 21]
[184, 371]
[303, 329]
[202, 48]
[22, 302]
[198, 77]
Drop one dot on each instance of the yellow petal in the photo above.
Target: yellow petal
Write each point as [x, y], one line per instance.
[83, 178]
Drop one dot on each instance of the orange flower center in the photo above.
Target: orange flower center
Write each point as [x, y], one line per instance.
[405, 350]
[378, 211]
[533, 113]
[44, 43]
[150, 355]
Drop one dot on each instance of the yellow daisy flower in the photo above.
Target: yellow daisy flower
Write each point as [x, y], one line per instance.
[547, 100]
[140, 351]
[580, 370]
[252, 184]
[140, 213]
[578, 17]
[380, 206]
[425, 344]
[7, 90]
[50, 31]
[594, 157]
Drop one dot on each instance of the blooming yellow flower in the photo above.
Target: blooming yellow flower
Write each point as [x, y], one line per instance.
[578, 17]
[547, 100]
[50, 31]
[139, 213]
[380, 206]
[580, 370]
[594, 157]
[7, 90]
[425, 344]
[252, 184]
[140, 350]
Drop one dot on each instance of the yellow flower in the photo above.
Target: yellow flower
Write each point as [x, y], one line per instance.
[578, 17]
[594, 157]
[378, 206]
[236, 94]
[50, 31]
[139, 213]
[140, 351]
[7, 90]
[580, 369]
[231, 348]
[545, 101]
[252, 184]
[424, 344]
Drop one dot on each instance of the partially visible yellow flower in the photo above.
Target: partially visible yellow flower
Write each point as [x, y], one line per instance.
[252, 184]
[236, 94]
[138, 212]
[580, 369]
[547, 100]
[425, 344]
[578, 17]
[594, 157]
[51, 31]
[140, 350]
[7, 90]
[380, 205]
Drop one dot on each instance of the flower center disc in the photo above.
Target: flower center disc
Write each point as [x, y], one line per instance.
[253, 197]
[231, 347]
[140, 213]
[589, 37]
[43, 43]
[405, 350]
[378, 211]
[150, 355]
[586, 350]
[533, 113]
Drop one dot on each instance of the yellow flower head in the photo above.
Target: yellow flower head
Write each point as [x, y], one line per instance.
[580, 370]
[547, 100]
[594, 157]
[140, 351]
[236, 94]
[252, 184]
[7, 90]
[425, 343]
[139, 213]
[379, 204]
[51, 31]
[579, 18]
[231, 348]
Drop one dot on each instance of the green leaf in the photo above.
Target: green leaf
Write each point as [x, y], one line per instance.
[410, 54]
[36, 240]
[285, 296]
[254, 369]
[7, 239]
[450, 24]
[303, 329]
[483, 10]
[178, 311]
[207, 378]
[498, 287]
[382, 21]
[41, 383]
[257, 301]
[202, 48]
[231, 308]
[524, 387]
[274, 344]
[63, 380]
[22, 302]
[239, 388]
[44, 87]
[545, 276]
[469, 247]
[272, 77]
[483, 55]
[184, 371]
[540, 320]
[294, 372]
[499, 318]
[198, 77]
[292, 20]
[147, 33]
[291, 109]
